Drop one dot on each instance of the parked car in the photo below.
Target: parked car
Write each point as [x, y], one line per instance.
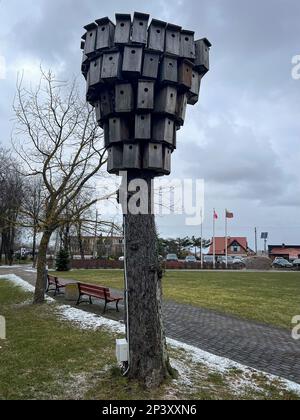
[209, 259]
[296, 263]
[238, 262]
[222, 260]
[190, 259]
[172, 257]
[281, 263]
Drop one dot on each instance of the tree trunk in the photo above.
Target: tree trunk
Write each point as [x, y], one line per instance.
[34, 247]
[148, 359]
[80, 243]
[40, 286]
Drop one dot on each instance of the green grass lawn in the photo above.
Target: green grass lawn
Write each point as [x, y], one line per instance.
[45, 357]
[268, 297]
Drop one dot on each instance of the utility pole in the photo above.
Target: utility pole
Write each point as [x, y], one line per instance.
[96, 235]
[255, 241]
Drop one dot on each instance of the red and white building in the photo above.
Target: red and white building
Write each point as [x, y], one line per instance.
[236, 247]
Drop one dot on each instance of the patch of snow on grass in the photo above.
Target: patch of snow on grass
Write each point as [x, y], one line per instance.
[6, 267]
[223, 365]
[17, 281]
[87, 320]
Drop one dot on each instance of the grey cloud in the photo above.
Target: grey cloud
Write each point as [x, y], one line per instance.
[243, 136]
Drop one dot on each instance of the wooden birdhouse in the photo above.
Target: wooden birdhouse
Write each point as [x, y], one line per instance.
[167, 154]
[132, 156]
[111, 66]
[156, 35]
[145, 95]
[106, 134]
[172, 45]
[174, 145]
[151, 65]
[85, 63]
[123, 29]
[202, 55]
[165, 100]
[185, 74]
[124, 97]
[169, 70]
[153, 156]
[163, 130]
[132, 60]
[107, 99]
[142, 127]
[118, 130]
[98, 111]
[181, 108]
[193, 93]
[140, 28]
[90, 39]
[94, 73]
[187, 45]
[115, 159]
[105, 34]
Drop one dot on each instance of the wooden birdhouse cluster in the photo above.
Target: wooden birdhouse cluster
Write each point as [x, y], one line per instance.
[140, 79]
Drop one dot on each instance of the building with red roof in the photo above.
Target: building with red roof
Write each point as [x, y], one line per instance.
[236, 246]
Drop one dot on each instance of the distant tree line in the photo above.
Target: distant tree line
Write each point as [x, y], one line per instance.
[183, 246]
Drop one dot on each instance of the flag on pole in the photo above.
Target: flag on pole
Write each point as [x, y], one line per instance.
[229, 214]
[215, 217]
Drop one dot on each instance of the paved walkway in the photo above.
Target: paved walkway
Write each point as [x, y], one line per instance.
[260, 346]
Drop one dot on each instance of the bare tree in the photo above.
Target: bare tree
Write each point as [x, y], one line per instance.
[33, 209]
[62, 144]
[11, 193]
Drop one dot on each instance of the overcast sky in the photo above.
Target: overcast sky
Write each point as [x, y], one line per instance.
[242, 137]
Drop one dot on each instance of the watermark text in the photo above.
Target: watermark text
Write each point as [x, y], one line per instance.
[296, 329]
[296, 67]
[2, 328]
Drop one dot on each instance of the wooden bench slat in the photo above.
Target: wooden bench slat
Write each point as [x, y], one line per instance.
[100, 292]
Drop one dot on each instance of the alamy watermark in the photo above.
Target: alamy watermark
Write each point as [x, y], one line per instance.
[2, 67]
[296, 329]
[296, 67]
[182, 197]
[2, 328]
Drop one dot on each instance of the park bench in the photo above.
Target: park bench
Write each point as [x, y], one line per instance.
[99, 292]
[55, 282]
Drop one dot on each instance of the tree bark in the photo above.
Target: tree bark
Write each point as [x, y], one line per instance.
[148, 358]
[80, 243]
[34, 246]
[40, 286]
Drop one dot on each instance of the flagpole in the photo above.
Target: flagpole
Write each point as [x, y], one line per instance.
[214, 239]
[201, 242]
[226, 240]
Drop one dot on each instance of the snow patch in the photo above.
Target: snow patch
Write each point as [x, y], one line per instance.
[223, 365]
[17, 281]
[87, 320]
[6, 267]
